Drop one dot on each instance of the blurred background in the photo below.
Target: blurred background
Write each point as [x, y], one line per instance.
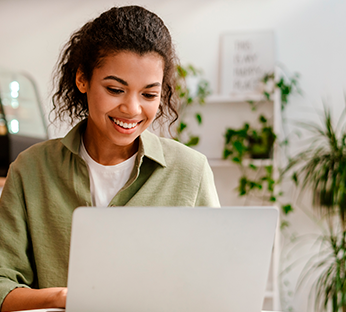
[309, 38]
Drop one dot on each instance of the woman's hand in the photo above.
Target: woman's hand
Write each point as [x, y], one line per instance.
[25, 299]
[59, 295]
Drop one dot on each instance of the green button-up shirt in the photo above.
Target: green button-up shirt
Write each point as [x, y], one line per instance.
[49, 180]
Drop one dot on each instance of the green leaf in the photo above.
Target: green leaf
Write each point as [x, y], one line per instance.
[199, 118]
[239, 147]
[252, 166]
[284, 143]
[182, 94]
[262, 119]
[272, 199]
[271, 183]
[193, 141]
[253, 185]
[267, 95]
[269, 169]
[253, 105]
[181, 127]
[295, 178]
[242, 186]
[226, 153]
[194, 71]
[181, 71]
[284, 224]
[287, 208]
[229, 135]
[236, 160]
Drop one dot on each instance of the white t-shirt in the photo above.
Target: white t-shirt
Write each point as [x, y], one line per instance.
[106, 181]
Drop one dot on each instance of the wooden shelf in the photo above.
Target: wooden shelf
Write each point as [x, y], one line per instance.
[227, 163]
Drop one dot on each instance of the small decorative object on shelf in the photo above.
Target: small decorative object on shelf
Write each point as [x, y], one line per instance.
[245, 56]
[192, 90]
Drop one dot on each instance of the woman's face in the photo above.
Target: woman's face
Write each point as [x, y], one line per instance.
[123, 97]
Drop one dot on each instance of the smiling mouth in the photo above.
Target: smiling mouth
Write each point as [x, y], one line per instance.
[124, 124]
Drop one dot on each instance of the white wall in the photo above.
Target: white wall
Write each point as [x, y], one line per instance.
[310, 38]
[309, 35]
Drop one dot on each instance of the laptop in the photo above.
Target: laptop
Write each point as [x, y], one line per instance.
[170, 259]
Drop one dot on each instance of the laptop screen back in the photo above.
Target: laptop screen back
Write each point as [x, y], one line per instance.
[156, 259]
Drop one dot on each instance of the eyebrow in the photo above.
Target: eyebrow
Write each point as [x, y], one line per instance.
[155, 84]
[123, 82]
[116, 79]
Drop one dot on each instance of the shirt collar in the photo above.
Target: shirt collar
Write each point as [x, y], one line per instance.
[149, 144]
[151, 147]
[72, 139]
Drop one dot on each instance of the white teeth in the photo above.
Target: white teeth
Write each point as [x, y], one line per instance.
[124, 124]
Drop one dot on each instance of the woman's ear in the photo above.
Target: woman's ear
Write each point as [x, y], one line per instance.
[81, 82]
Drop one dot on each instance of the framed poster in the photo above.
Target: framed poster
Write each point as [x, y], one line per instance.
[245, 58]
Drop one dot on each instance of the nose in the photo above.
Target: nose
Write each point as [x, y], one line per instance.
[131, 105]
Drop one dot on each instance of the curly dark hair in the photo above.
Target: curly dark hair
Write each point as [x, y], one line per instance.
[129, 28]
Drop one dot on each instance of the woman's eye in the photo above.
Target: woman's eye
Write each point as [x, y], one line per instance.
[115, 91]
[149, 95]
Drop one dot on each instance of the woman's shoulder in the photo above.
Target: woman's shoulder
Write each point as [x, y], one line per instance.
[174, 146]
[177, 153]
[171, 148]
[40, 152]
[42, 147]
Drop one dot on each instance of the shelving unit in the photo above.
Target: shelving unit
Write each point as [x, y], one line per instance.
[219, 113]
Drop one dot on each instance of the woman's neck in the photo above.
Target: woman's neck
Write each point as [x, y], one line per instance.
[108, 154]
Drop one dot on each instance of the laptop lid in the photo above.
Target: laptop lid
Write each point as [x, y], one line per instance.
[163, 259]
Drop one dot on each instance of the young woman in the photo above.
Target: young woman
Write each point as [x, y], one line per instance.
[116, 76]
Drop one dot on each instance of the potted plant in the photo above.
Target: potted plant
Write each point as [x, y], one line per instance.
[192, 90]
[321, 168]
[250, 142]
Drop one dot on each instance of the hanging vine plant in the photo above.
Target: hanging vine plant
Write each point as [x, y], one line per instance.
[192, 90]
[243, 145]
